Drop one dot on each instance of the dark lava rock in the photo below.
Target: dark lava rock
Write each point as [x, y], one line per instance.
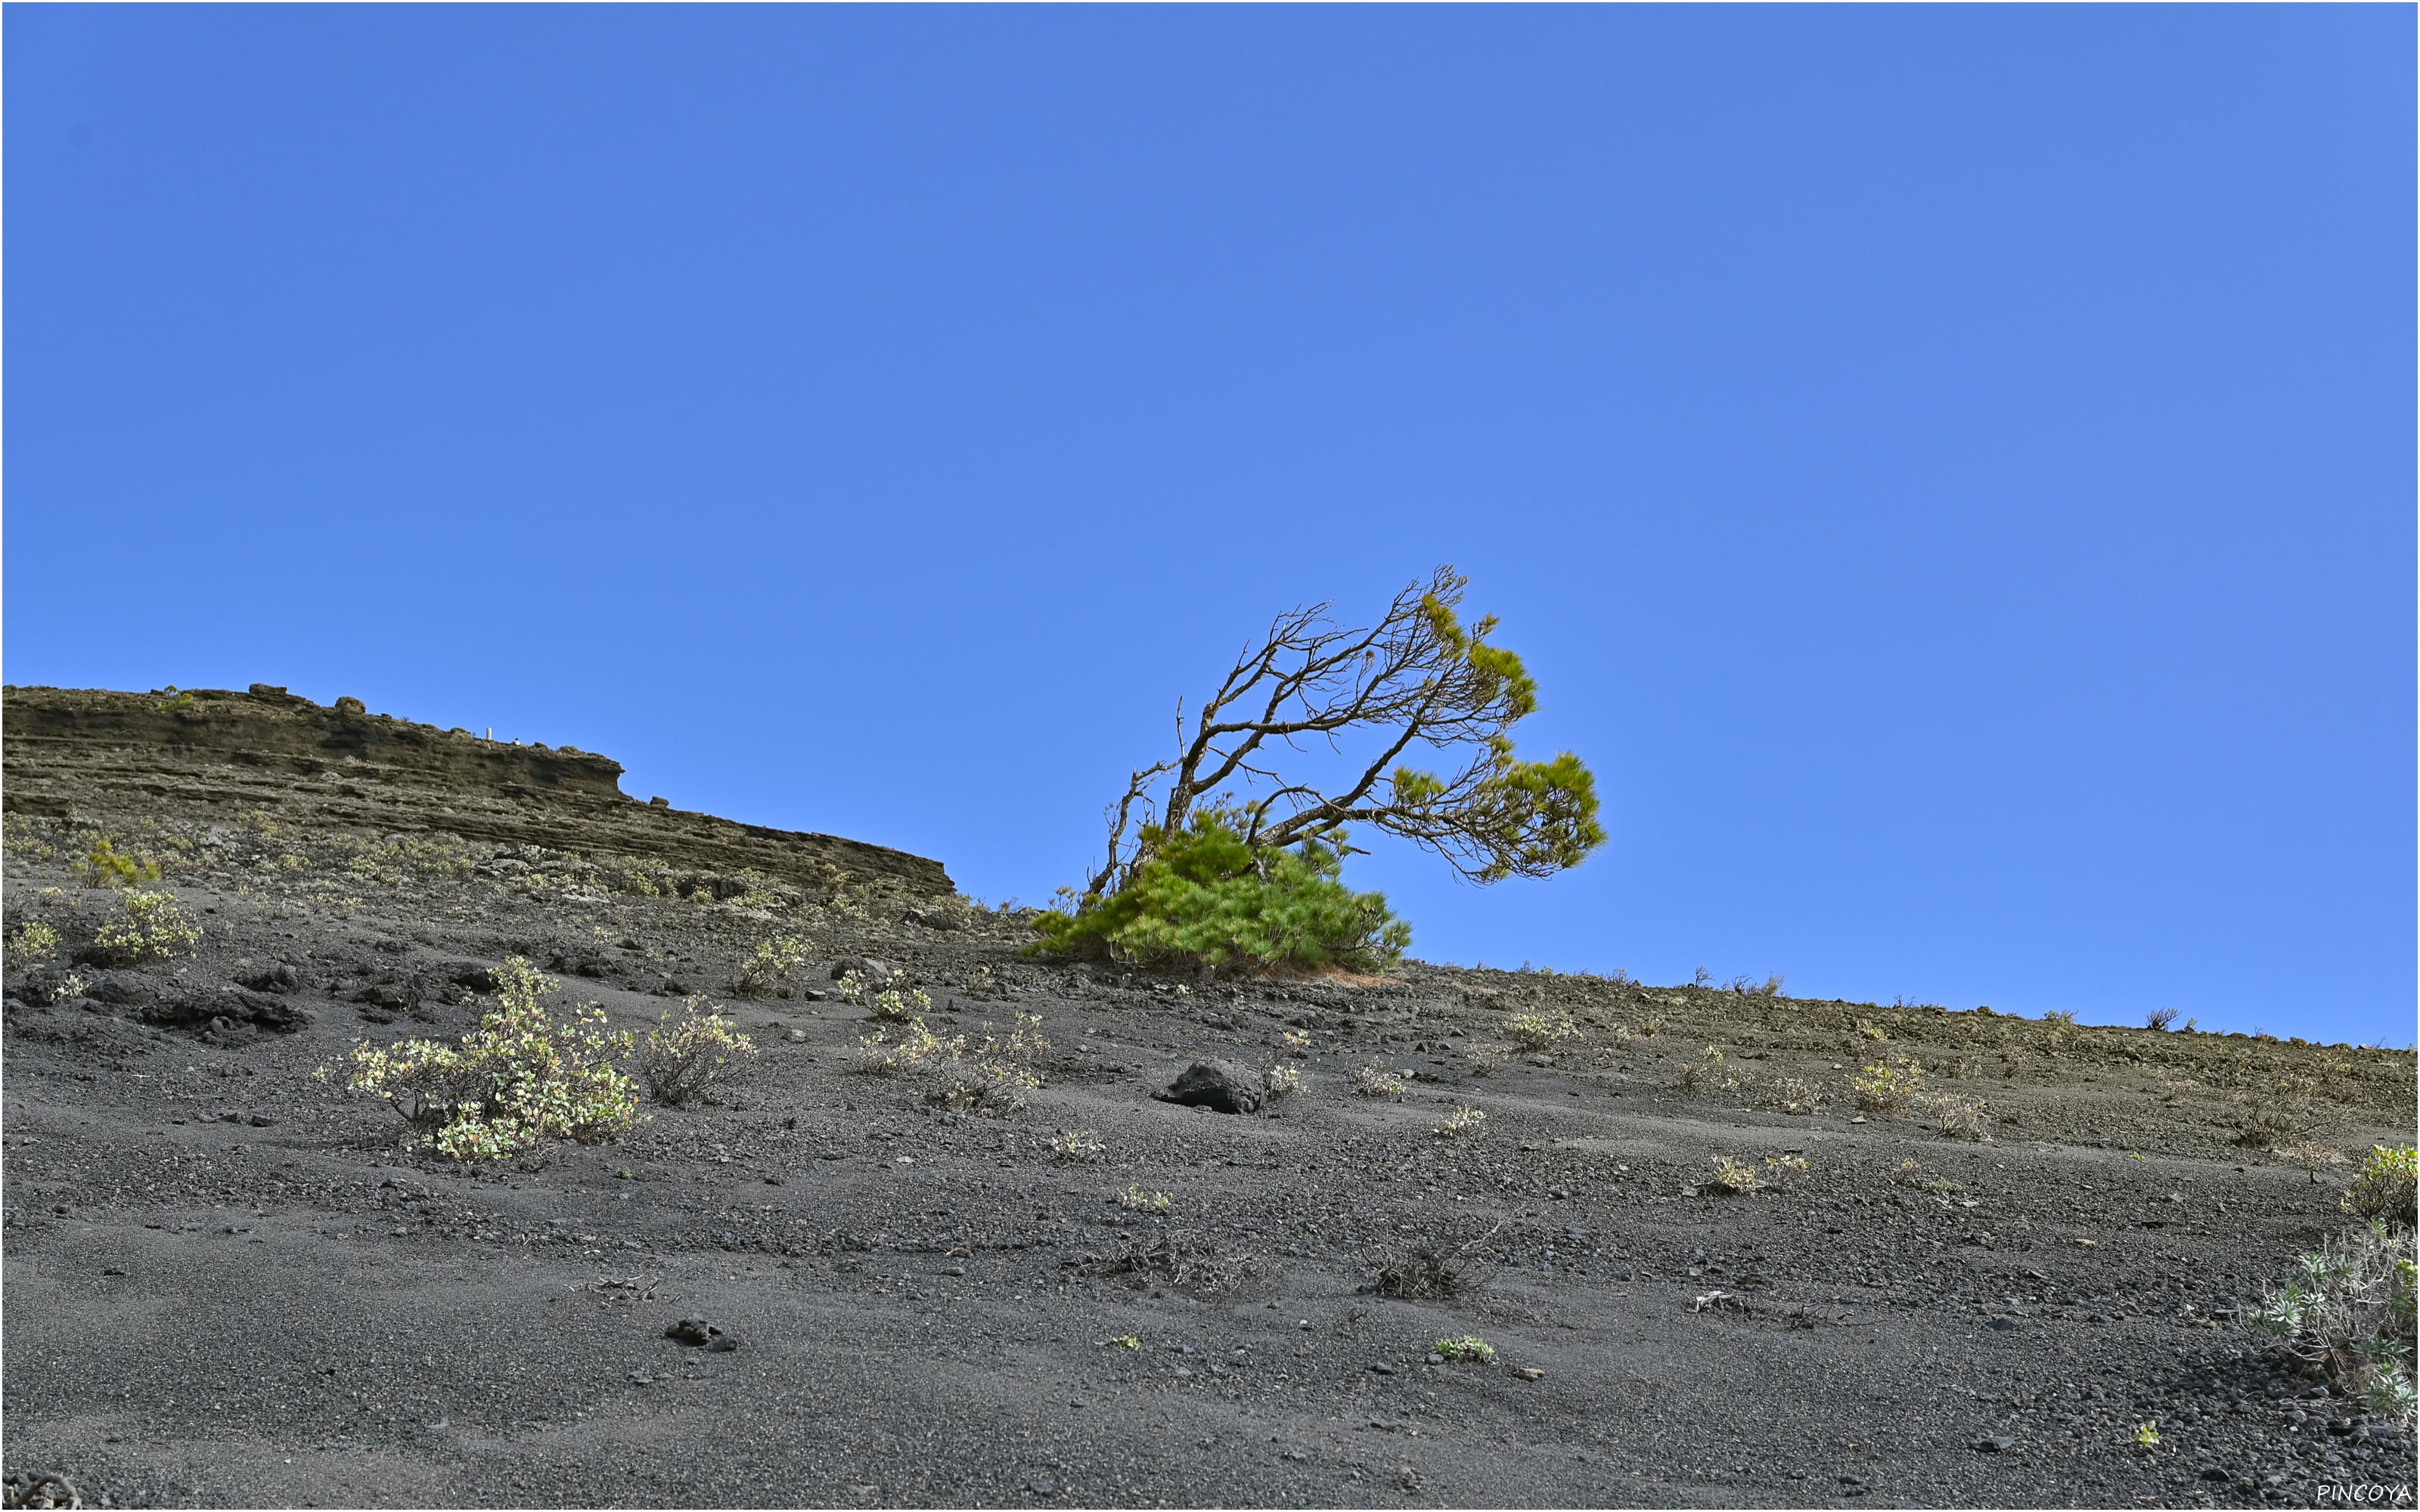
[693, 1331]
[278, 978]
[1214, 1083]
[118, 991]
[578, 962]
[722, 1344]
[224, 1011]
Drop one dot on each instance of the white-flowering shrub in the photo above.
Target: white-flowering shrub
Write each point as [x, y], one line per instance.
[521, 1077]
[892, 1006]
[150, 928]
[683, 1057]
[1541, 1033]
[991, 1078]
[770, 965]
[34, 943]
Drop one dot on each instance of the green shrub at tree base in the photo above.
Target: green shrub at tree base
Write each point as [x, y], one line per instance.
[1207, 898]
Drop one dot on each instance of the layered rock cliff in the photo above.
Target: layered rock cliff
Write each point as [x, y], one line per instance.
[77, 750]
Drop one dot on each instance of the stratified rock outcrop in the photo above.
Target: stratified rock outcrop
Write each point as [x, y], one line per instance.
[76, 749]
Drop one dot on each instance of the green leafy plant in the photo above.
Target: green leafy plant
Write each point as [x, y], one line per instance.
[1134, 1199]
[519, 1079]
[2387, 1186]
[682, 1057]
[150, 928]
[1470, 1348]
[1279, 1080]
[2147, 1435]
[1205, 897]
[106, 866]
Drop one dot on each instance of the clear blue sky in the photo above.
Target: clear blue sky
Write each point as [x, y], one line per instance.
[1950, 469]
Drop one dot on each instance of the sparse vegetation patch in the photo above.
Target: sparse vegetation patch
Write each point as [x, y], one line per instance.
[683, 1057]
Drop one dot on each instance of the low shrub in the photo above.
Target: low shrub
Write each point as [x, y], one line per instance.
[2387, 1186]
[519, 1079]
[106, 866]
[1134, 1199]
[1083, 1145]
[770, 965]
[1209, 900]
[1889, 1087]
[991, 1078]
[1463, 1123]
[1375, 1080]
[1424, 1276]
[1735, 1176]
[1279, 1080]
[149, 928]
[892, 1006]
[1794, 1094]
[683, 1057]
[1708, 1072]
[1470, 1348]
[994, 1078]
[1959, 1117]
[34, 943]
[2160, 1018]
[1541, 1033]
[2351, 1313]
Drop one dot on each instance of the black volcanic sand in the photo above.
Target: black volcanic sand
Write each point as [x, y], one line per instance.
[228, 1283]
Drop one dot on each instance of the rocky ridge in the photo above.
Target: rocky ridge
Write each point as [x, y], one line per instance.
[270, 752]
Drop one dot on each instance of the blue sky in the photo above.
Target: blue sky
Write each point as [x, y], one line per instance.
[1950, 469]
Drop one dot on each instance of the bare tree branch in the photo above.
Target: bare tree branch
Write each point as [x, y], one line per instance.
[1417, 677]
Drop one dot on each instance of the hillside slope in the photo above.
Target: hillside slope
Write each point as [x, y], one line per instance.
[230, 1281]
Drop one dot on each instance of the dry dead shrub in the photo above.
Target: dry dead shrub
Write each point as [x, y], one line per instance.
[1423, 1275]
[1187, 1259]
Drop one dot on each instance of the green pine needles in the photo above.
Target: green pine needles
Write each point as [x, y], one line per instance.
[1206, 897]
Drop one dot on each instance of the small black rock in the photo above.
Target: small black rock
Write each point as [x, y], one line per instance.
[693, 1331]
[1216, 1085]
